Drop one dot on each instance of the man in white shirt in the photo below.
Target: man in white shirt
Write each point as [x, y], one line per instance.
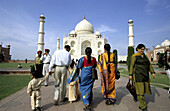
[46, 58]
[61, 59]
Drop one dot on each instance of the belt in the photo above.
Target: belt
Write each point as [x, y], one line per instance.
[47, 63]
[36, 90]
[60, 66]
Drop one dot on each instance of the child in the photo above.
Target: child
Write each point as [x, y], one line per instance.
[33, 90]
[74, 91]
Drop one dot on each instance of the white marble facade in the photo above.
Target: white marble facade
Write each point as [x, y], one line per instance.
[83, 36]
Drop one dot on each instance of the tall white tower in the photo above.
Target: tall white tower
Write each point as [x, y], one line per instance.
[58, 43]
[131, 36]
[41, 34]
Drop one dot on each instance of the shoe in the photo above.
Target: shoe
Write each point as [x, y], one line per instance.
[46, 85]
[55, 102]
[34, 110]
[71, 101]
[87, 108]
[108, 102]
[65, 99]
[38, 109]
[135, 99]
[143, 109]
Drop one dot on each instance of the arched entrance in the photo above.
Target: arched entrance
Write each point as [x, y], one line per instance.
[84, 45]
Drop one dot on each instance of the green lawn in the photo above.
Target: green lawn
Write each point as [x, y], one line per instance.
[10, 84]
[15, 65]
[160, 78]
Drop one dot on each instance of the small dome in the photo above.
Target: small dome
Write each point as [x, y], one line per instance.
[84, 27]
[130, 21]
[157, 46]
[97, 33]
[165, 43]
[42, 16]
[72, 32]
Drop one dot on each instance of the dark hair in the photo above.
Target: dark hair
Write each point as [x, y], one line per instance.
[67, 47]
[139, 46]
[107, 48]
[88, 52]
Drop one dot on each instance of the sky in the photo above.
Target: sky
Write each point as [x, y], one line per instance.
[19, 22]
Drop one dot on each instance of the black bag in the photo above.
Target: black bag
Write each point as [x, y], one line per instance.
[94, 72]
[132, 90]
[117, 74]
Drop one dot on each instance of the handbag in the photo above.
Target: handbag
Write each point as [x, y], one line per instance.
[132, 90]
[94, 72]
[117, 74]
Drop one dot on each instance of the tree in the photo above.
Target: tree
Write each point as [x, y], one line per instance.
[115, 52]
[130, 53]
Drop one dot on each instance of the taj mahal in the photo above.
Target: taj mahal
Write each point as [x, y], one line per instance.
[81, 37]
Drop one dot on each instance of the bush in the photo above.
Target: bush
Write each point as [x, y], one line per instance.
[130, 53]
[122, 61]
[115, 52]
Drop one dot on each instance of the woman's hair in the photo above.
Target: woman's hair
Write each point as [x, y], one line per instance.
[139, 46]
[88, 52]
[107, 48]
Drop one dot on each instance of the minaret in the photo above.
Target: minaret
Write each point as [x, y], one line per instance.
[41, 34]
[131, 36]
[58, 43]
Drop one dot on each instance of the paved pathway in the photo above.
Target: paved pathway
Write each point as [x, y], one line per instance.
[20, 101]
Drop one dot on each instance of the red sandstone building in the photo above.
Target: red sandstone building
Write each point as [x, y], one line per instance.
[5, 53]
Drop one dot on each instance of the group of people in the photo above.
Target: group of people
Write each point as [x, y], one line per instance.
[83, 82]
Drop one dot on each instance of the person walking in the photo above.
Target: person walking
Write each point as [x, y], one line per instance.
[38, 64]
[61, 59]
[33, 90]
[46, 58]
[106, 66]
[74, 91]
[140, 67]
[86, 64]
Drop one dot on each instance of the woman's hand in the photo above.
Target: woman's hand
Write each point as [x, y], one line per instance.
[153, 75]
[130, 77]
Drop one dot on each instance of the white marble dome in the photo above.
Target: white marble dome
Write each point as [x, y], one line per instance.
[130, 21]
[157, 46]
[165, 43]
[84, 27]
[72, 32]
[97, 33]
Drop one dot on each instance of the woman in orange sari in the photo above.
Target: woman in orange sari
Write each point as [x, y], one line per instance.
[107, 72]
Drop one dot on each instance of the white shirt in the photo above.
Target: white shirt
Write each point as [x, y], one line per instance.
[60, 58]
[46, 58]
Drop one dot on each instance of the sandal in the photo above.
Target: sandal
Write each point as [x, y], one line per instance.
[87, 108]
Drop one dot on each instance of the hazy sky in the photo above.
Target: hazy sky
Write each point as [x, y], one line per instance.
[19, 22]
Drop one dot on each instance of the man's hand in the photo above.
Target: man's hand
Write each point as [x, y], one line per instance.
[130, 77]
[153, 75]
[50, 73]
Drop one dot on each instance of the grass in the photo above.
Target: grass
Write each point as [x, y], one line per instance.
[12, 83]
[15, 65]
[160, 78]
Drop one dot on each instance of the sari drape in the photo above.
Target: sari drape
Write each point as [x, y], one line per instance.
[86, 82]
[107, 79]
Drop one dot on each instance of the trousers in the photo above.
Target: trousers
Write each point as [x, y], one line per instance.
[35, 99]
[142, 102]
[45, 71]
[60, 79]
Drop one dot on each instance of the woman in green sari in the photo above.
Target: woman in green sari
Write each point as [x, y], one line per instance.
[139, 71]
